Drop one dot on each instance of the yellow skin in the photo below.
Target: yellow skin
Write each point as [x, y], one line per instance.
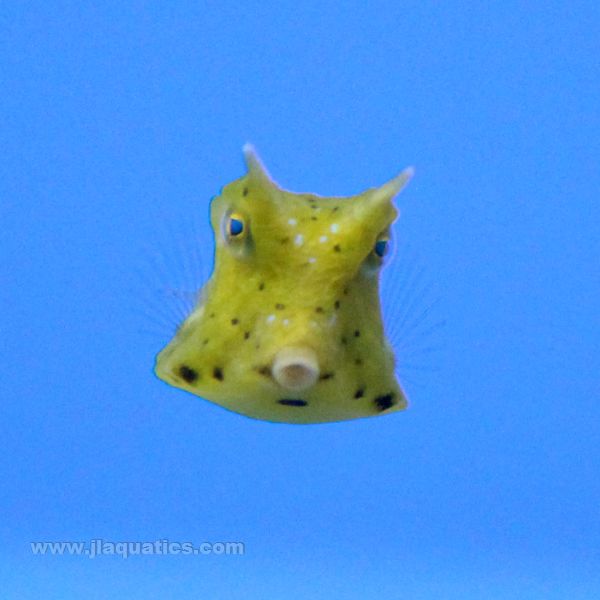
[288, 328]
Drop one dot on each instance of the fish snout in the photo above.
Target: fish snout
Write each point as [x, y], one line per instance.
[295, 367]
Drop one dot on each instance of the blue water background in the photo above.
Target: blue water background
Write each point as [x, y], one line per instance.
[119, 117]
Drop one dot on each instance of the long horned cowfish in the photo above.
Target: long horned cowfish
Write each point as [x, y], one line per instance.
[288, 328]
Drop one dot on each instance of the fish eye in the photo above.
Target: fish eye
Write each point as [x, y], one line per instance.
[235, 227]
[379, 252]
[381, 247]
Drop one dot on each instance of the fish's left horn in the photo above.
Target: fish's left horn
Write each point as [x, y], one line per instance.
[255, 166]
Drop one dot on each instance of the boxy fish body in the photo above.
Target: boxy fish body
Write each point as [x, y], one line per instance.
[288, 328]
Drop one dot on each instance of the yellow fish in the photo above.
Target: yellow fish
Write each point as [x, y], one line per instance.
[288, 328]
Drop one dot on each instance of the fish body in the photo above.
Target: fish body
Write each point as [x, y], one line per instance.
[288, 328]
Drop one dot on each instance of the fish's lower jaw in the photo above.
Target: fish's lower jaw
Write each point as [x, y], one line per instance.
[295, 368]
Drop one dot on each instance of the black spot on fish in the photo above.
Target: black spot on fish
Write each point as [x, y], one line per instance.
[356, 333]
[344, 340]
[235, 321]
[335, 208]
[284, 240]
[246, 335]
[336, 304]
[266, 371]
[261, 286]
[292, 402]
[212, 315]
[319, 309]
[218, 373]
[279, 306]
[314, 219]
[328, 375]
[245, 192]
[360, 392]
[346, 291]
[188, 374]
[384, 402]
[337, 248]
[205, 341]
[358, 362]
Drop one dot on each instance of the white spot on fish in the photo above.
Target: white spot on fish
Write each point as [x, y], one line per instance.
[323, 239]
[292, 222]
[286, 322]
[299, 240]
[334, 228]
[271, 318]
[312, 259]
